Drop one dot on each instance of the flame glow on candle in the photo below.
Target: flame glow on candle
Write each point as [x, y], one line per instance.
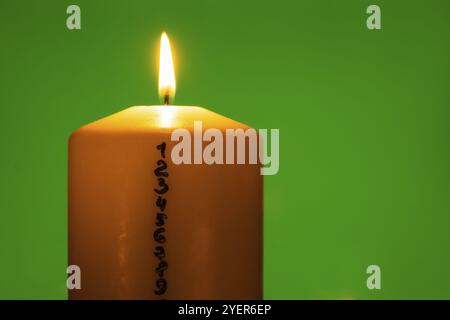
[166, 70]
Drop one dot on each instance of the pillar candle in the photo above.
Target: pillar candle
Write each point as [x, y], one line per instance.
[143, 227]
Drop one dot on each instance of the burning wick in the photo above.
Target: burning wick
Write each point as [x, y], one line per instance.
[166, 71]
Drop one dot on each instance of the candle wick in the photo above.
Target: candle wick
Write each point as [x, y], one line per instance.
[166, 99]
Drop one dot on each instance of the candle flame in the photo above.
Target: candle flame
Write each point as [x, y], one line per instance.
[166, 70]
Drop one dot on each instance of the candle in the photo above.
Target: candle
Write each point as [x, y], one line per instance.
[144, 227]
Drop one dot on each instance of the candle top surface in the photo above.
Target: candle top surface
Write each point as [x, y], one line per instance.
[162, 119]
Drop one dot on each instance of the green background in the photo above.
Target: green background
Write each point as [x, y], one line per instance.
[363, 117]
